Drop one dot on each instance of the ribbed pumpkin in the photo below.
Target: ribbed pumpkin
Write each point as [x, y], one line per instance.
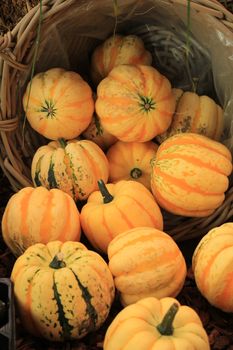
[58, 104]
[146, 262]
[189, 174]
[212, 264]
[73, 166]
[37, 215]
[156, 324]
[96, 133]
[63, 290]
[135, 103]
[116, 208]
[116, 50]
[196, 114]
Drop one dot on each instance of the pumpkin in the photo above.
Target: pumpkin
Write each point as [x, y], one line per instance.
[146, 262]
[37, 215]
[196, 114]
[73, 166]
[116, 50]
[96, 133]
[131, 161]
[156, 324]
[135, 103]
[212, 266]
[190, 174]
[62, 290]
[58, 104]
[116, 208]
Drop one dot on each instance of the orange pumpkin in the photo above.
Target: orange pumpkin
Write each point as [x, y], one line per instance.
[58, 104]
[196, 114]
[116, 208]
[116, 50]
[213, 268]
[190, 174]
[37, 215]
[73, 166]
[135, 103]
[131, 161]
[146, 262]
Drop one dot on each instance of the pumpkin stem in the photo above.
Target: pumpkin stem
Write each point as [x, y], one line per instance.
[62, 142]
[136, 173]
[107, 197]
[57, 262]
[166, 327]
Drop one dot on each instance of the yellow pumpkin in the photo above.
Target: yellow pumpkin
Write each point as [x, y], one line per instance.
[62, 290]
[116, 50]
[135, 103]
[116, 208]
[196, 114]
[190, 174]
[213, 268]
[156, 324]
[58, 104]
[37, 215]
[131, 161]
[146, 262]
[73, 166]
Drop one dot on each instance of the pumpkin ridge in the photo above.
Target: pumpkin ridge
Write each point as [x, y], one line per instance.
[36, 178]
[51, 175]
[113, 52]
[226, 294]
[71, 174]
[46, 219]
[24, 209]
[124, 217]
[67, 222]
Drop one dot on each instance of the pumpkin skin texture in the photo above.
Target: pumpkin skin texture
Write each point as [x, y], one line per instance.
[190, 174]
[37, 215]
[117, 50]
[135, 103]
[96, 133]
[58, 104]
[73, 166]
[116, 208]
[196, 114]
[76, 295]
[146, 262]
[131, 161]
[213, 268]
[156, 324]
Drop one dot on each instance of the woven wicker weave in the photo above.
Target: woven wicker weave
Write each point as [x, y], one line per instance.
[16, 55]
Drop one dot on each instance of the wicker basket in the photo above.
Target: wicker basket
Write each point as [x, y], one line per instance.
[19, 48]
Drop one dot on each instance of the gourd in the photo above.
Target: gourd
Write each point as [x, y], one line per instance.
[156, 324]
[131, 161]
[116, 50]
[190, 174]
[135, 103]
[196, 114]
[212, 266]
[58, 104]
[116, 208]
[73, 166]
[37, 215]
[62, 290]
[146, 262]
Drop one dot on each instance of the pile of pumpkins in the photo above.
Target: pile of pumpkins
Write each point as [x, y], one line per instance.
[117, 158]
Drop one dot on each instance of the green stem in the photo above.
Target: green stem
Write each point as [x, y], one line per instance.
[62, 142]
[136, 173]
[57, 262]
[107, 197]
[166, 327]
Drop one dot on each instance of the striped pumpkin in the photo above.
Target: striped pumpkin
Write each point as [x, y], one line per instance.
[213, 268]
[116, 50]
[190, 174]
[131, 161]
[146, 262]
[116, 208]
[37, 215]
[135, 103]
[63, 290]
[58, 104]
[73, 166]
[196, 114]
